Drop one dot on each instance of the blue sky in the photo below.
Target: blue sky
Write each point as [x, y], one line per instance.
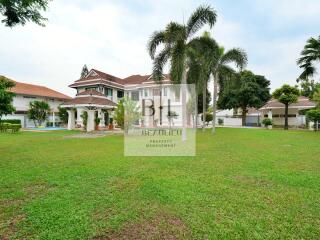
[112, 36]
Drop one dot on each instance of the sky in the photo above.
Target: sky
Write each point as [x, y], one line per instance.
[112, 36]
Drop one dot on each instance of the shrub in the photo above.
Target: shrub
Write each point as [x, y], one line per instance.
[84, 117]
[9, 127]
[97, 121]
[12, 121]
[208, 117]
[220, 121]
[267, 122]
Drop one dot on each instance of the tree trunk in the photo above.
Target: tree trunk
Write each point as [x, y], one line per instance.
[244, 116]
[214, 105]
[204, 98]
[183, 101]
[286, 125]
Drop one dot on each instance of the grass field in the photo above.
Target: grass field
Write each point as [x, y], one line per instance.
[243, 184]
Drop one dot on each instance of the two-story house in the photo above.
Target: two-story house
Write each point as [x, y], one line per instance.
[26, 93]
[98, 94]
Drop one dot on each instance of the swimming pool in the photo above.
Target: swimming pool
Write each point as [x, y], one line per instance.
[48, 129]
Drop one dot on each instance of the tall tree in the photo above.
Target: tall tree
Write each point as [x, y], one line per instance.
[84, 71]
[309, 56]
[38, 112]
[176, 41]
[6, 97]
[245, 91]
[286, 95]
[201, 55]
[308, 87]
[316, 97]
[314, 115]
[21, 11]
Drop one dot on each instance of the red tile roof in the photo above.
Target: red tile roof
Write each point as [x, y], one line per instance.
[303, 102]
[92, 100]
[36, 90]
[107, 79]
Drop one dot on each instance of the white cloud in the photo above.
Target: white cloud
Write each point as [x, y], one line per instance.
[112, 36]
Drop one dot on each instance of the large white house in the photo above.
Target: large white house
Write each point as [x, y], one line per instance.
[26, 93]
[98, 94]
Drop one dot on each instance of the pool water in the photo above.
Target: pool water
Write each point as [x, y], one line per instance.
[48, 128]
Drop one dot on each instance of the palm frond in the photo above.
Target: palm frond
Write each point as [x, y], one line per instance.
[158, 64]
[309, 71]
[237, 56]
[174, 32]
[201, 16]
[156, 39]
[178, 57]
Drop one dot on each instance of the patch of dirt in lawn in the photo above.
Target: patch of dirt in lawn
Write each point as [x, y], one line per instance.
[163, 226]
[258, 182]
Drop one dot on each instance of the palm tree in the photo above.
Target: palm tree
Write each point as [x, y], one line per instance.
[309, 55]
[202, 52]
[176, 42]
[220, 68]
[214, 61]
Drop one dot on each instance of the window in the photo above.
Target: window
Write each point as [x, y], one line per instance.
[120, 94]
[177, 95]
[29, 97]
[165, 92]
[135, 95]
[146, 92]
[156, 92]
[108, 92]
[89, 88]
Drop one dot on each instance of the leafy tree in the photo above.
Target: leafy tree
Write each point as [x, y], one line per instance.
[309, 56]
[84, 71]
[208, 117]
[308, 87]
[220, 68]
[247, 90]
[126, 113]
[314, 115]
[6, 97]
[63, 115]
[119, 113]
[175, 40]
[20, 11]
[286, 95]
[38, 112]
[316, 97]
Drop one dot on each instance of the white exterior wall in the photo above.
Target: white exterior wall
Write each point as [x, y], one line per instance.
[21, 103]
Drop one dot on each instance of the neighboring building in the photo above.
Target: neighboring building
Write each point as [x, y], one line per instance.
[98, 94]
[26, 93]
[275, 111]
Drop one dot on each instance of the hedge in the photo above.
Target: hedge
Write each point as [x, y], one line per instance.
[8, 127]
[12, 121]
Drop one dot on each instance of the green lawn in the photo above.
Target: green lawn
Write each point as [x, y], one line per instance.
[243, 184]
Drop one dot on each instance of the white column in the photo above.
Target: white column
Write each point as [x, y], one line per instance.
[270, 114]
[70, 119]
[90, 124]
[53, 120]
[101, 116]
[79, 118]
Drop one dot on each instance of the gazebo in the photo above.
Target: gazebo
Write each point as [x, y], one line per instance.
[275, 111]
[96, 104]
